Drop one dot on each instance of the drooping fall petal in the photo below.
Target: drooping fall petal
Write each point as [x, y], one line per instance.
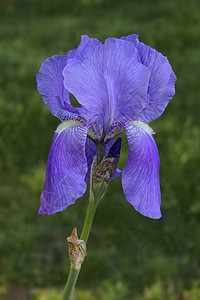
[66, 168]
[140, 176]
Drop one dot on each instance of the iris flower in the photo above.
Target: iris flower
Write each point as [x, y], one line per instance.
[121, 85]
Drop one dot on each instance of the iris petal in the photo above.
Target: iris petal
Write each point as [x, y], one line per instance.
[140, 176]
[88, 42]
[50, 82]
[133, 38]
[161, 87]
[50, 86]
[90, 150]
[108, 81]
[66, 169]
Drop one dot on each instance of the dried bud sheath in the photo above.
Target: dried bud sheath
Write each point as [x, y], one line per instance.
[105, 171]
[77, 250]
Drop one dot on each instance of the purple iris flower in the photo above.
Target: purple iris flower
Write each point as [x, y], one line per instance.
[121, 86]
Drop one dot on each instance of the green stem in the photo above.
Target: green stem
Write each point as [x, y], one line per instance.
[73, 273]
[71, 282]
[100, 152]
[92, 206]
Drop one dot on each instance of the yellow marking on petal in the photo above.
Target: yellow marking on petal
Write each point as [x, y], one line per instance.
[142, 125]
[78, 121]
[68, 123]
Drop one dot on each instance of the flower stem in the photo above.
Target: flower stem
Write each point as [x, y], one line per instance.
[71, 282]
[92, 206]
[100, 152]
[73, 273]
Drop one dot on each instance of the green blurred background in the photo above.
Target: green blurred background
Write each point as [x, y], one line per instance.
[129, 255]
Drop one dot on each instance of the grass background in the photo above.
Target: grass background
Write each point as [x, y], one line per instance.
[129, 256]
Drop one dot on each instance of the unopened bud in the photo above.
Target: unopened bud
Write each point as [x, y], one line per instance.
[77, 250]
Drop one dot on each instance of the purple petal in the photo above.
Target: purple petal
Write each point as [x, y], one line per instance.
[115, 129]
[83, 78]
[66, 169]
[133, 38]
[161, 82]
[95, 131]
[90, 151]
[50, 86]
[115, 149]
[127, 80]
[108, 81]
[161, 87]
[88, 42]
[50, 81]
[140, 176]
[108, 146]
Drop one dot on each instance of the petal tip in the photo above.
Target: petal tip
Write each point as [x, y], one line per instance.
[150, 214]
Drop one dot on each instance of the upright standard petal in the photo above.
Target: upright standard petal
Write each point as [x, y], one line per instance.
[108, 81]
[66, 168]
[133, 38]
[50, 81]
[140, 176]
[161, 87]
[87, 42]
[50, 86]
